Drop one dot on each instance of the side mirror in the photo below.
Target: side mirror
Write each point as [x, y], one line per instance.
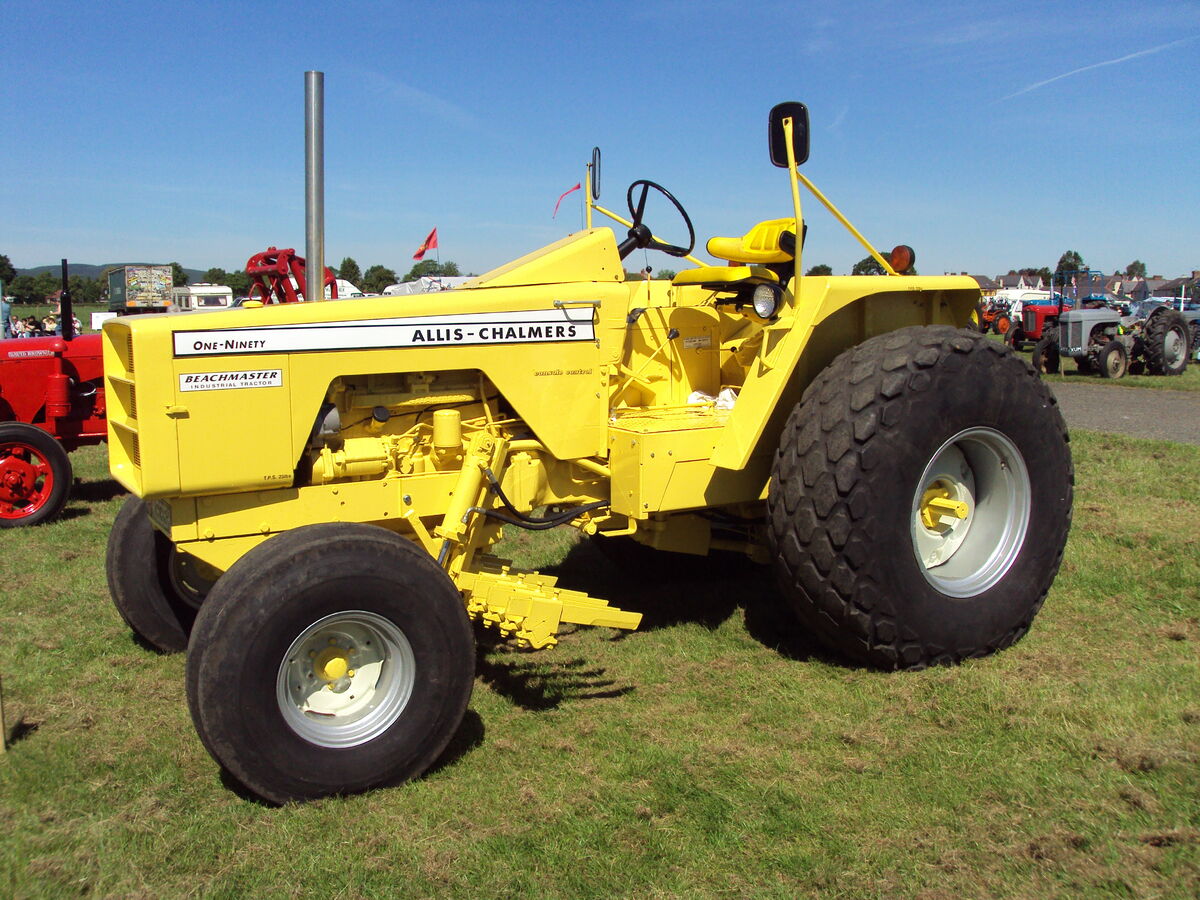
[595, 167]
[798, 113]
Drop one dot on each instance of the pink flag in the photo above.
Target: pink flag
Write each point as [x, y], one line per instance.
[560, 199]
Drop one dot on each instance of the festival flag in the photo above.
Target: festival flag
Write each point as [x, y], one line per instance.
[430, 244]
[560, 199]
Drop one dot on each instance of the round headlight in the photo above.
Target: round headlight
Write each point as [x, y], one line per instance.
[765, 300]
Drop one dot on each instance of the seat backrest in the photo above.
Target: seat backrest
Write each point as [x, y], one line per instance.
[759, 245]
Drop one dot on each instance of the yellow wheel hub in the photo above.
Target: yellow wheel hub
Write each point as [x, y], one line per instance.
[333, 664]
[936, 504]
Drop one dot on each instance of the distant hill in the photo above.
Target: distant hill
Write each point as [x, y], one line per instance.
[86, 270]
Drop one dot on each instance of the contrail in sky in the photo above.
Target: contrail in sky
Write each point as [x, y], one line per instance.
[1110, 62]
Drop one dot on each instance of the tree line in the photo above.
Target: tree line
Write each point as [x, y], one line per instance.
[32, 289]
[36, 288]
[1070, 261]
[372, 281]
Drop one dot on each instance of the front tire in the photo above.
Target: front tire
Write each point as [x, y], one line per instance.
[920, 499]
[329, 660]
[1045, 359]
[1113, 361]
[154, 587]
[35, 475]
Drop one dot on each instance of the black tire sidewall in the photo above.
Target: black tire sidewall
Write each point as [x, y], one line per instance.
[1102, 361]
[60, 467]
[1046, 349]
[137, 561]
[1158, 326]
[936, 620]
[848, 562]
[266, 600]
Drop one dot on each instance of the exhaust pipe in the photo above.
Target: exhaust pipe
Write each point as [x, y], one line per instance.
[314, 185]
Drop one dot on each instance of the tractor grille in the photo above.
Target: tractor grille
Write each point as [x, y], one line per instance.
[1075, 338]
[1029, 320]
[124, 449]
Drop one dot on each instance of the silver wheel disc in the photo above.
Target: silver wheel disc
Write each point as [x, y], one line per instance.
[191, 578]
[346, 679]
[970, 512]
[1174, 347]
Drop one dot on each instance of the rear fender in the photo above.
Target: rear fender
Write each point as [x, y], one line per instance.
[832, 314]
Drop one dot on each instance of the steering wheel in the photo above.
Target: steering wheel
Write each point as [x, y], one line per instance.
[640, 235]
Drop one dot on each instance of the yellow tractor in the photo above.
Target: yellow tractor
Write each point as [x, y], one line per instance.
[318, 485]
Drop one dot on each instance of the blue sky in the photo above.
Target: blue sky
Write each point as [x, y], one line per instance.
[989, 135]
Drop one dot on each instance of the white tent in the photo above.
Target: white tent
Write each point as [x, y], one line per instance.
[427, 284]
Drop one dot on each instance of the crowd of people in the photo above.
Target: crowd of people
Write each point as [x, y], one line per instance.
[31, 326]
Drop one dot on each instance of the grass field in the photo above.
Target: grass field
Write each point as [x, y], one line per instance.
[717, 752]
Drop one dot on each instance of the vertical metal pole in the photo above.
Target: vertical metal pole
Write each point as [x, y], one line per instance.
[314, 185]
[66, 310]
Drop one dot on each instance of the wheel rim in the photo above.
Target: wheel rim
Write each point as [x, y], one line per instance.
[190, 577]
[1113, 363]
[346, 679]
[26, 480]
[970, 512]
[1174, 347]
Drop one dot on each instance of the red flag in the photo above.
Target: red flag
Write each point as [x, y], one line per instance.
[560, 199]
[430, 244]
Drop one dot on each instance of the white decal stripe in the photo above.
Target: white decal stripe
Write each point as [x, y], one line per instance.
[572, 314]
[468, 329]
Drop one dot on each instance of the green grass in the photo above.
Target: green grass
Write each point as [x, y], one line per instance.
[716, 752]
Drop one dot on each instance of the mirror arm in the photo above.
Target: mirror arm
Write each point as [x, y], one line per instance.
[887, 266]
[792, 176]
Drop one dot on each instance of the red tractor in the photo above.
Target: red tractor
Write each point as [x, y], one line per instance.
[51, 401]
[52, 396]
[278, 277]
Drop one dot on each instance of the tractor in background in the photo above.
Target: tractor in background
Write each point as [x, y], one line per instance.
[51, 402]
[279, 276]
[52, 393]
[1106, 336]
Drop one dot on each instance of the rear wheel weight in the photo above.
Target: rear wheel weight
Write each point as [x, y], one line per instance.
[920, 499]
[330, 659]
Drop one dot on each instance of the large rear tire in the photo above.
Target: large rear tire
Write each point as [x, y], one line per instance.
[154, 587]
[35, 475]
[1166, 342]
[329, 660]
[920, 499]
